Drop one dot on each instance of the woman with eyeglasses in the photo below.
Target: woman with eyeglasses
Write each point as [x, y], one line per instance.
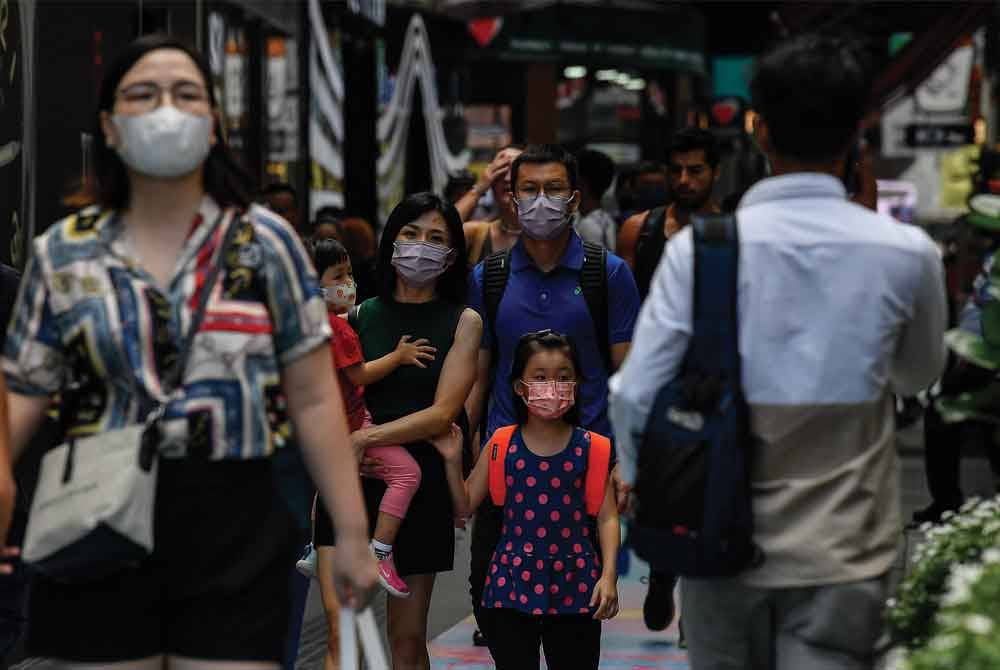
[546, 585]
[106, 305]
[421, 292]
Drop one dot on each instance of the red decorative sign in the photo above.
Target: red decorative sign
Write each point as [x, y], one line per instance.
[725, 111]
[484, 30]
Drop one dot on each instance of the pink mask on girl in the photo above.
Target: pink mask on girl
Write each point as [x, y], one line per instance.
[549, 400]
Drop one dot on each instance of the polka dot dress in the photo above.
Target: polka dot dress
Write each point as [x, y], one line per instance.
[545, 562]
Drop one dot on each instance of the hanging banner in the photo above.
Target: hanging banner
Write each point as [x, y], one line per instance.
[415, 69]
[326, 115]
[15, 117]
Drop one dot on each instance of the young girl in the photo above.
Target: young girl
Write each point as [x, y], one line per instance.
[401, 473]
[546, 585]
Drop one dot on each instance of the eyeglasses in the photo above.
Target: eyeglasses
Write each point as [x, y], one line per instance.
[526, 193]
[147, 96]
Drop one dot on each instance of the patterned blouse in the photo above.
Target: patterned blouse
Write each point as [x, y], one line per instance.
[93, 327]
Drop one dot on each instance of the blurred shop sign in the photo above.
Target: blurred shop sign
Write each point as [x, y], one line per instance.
[939, 113]
[938, 135]
[373, 10]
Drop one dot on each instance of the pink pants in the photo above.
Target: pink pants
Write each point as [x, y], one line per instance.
[401, 476]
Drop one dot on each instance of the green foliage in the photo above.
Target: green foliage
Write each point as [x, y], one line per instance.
[960, 540]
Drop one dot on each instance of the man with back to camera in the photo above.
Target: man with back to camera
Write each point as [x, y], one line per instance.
[839, 307]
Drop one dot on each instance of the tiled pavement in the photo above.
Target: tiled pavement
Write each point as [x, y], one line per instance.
[625, 642]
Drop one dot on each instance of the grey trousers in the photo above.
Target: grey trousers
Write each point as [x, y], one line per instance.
[732, 626]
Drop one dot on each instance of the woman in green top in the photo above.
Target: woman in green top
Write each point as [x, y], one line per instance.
[422, 284]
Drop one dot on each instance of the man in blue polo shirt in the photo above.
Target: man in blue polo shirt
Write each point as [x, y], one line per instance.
[544, 290]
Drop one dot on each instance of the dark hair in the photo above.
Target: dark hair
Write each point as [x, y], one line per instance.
[694, 139]
[328, 252]
[224, 179]
[452, 284]
[597, 171]
[280, 187]
[529, 345]
[328, 214]
[538, 154]
[649, 167]
[458, 185]
[812, 92]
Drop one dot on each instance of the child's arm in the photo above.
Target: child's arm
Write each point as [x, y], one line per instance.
[466, 494]
[605, 596]
[405, 353]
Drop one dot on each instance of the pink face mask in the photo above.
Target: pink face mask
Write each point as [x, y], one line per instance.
[549, 400]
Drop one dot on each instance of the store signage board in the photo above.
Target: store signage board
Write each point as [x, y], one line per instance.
[635, 54]
[938, 135]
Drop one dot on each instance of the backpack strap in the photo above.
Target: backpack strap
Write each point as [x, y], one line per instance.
[594, 285]
[654, 221]
[715, 337]
[496, 272]
[598, 469]
[499, 444]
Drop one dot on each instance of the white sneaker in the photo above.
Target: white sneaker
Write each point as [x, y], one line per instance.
[307, 564]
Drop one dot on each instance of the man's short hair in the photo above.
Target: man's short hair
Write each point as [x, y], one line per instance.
[539, 154]
[280, 187]
[648, 167]
[597, 171]
[813, 92]
[694, 139]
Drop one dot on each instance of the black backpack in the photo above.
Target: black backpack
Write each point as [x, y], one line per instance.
[593, 285]
[694, 512]
[649, 248]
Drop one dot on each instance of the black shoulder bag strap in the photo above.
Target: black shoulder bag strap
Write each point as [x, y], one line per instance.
[654, 221]
[594, 285]
[176, 374]
[649, 249]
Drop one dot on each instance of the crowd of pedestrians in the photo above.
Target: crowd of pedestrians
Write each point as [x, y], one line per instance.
[493, 361]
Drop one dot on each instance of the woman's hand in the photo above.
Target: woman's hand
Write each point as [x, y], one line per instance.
[623, 491]
[605, 597]
[359, 443]
[450, 445]
[355, 571]
[414, 353]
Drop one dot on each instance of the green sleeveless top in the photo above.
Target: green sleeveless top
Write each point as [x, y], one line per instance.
[380, 324]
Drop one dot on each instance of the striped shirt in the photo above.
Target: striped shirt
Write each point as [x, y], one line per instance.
[93, 327]
[838, 307]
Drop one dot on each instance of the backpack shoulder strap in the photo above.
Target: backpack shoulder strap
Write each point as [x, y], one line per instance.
[715, 337]
[498, 446]
[496, 272]
[598, 468]
[654, 221]
[594, 285]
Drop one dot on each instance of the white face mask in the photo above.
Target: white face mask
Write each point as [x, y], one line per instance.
[340, 297]
[165, 142]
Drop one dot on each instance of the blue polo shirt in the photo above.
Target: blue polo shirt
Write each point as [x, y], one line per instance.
[535, 300]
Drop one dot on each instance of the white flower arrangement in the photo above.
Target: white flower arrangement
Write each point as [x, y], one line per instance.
[946, 566]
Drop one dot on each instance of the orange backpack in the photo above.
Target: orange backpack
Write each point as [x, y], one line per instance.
[598, 464]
